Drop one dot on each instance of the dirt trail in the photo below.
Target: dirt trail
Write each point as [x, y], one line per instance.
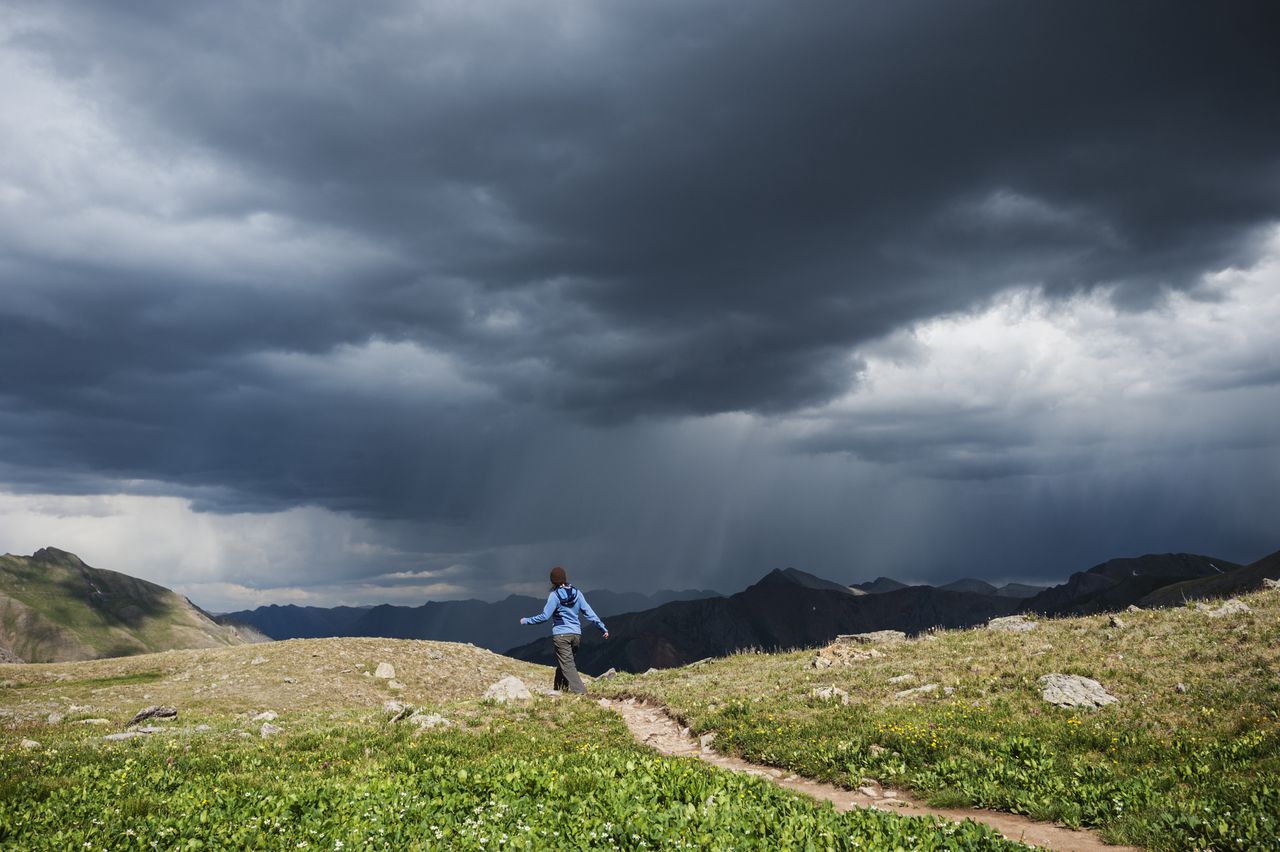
[652, 726]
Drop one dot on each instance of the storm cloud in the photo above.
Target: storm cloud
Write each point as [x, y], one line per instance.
[673, 289]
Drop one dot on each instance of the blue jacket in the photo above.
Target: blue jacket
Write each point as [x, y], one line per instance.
[563, 606]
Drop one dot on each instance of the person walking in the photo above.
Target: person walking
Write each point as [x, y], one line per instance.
[564, 605]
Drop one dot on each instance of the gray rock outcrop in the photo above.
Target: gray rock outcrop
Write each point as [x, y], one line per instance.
[875, 637]
[830, 693]
[1012, 624]
[1233, 606]
[155, 711]
[385, 671]
[510, 688]
[1075, 691]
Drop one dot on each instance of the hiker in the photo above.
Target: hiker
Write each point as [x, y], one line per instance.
[563, 606]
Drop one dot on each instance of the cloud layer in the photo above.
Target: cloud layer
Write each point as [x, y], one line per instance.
[672, 290]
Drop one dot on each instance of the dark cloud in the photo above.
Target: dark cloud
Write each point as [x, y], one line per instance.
[375, 257]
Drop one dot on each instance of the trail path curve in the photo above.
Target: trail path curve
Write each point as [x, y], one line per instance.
[652, 726]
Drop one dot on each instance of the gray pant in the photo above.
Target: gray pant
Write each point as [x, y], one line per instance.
[567, 670]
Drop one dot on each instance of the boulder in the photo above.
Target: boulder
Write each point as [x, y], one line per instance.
[830, 693]
[510, 688]
[266, 716]
[385, 671]
[126, 735]
[705, 741]
[1233, 606]
[917, 691]
[92, 722]
[843, 654]
[268, 730]
[610, 673]
[1114, 621]
[902, 678]
[1270, 585]
[258, 660]
[1012, 624]
[1075, 691]
[395, 685]
[393, 707]
[155, 711]
[425, 721]
[54, 718]
[29, 744]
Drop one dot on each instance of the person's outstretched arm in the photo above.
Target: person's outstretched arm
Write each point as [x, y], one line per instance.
[545, 614]
[591, 614]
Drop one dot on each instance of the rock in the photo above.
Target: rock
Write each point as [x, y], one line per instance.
[54, 718]
[1075, 691]
[395, 684]
[875, 637]
[902, 678]
[266, 716]
[1133, 608]
[1270, 584]
[948, 690]
[127, 735]
[1234, 606]
[1114, 621]
[876, 750]
[1012, 624]
[155, 711]
[385, 671]
[869, 792]
[830, 693]
[203, 727]
[29, 744]
[889, 794]
[510, 688]
[844, 654]
[289, 680]
[551, 693]
[1180, 688]
[148, 729]
[424, 721]
[705, 741]
[917, 692]
[92, 722]
[610, 673]
[258, 660]
[268, 730]
[393, 707]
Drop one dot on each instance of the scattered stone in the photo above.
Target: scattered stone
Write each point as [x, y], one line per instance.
[148, 729]
[268, 730]
[393, 707]
[551, 693]
[385, 671]
[54, 718]
[155, 711]
[843, 654]
[917, 692]
[30, 744]
[126, 735]
[650, 670]
[1234, 606]
[266, 716]
[289, 680]
[425, 721]
[705, 741]
[876, 750]
[203, 727]
[610, 673]
[367, 673]
[510, 688]
[902, 678]
[1114, 621]
[889, 794]
[92, 722]
[875, 637]
[1133, 608]
[1270, 584]
[1012, 624]
[869, 792]
[948, 690]
[258, 660]
[830, 693]
[1180, 687]
[79, 708]
[1075, 691]
[395, 684]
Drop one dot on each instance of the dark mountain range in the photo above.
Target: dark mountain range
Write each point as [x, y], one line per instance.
[487, 625]
[1019, 590]
[878, 586]
[785, 609]
[969, 584]
[1231, 582]
[1116, 583]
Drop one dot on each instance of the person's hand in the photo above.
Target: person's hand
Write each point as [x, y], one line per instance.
[606, 634]
[522, 621]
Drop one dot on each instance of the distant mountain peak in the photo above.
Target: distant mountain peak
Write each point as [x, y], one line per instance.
[879, 586]
[796, 577]
[54, 556]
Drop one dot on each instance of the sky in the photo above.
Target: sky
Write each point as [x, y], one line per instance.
[395, 301]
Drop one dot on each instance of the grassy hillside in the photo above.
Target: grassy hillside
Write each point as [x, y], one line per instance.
[53, 608]
[548, 774]
[1189, 756]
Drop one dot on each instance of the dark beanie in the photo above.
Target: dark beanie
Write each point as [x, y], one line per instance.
[557, 576]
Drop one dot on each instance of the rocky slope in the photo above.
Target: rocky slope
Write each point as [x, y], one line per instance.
[1235, 581]
[1117, 583]
[55, 608]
